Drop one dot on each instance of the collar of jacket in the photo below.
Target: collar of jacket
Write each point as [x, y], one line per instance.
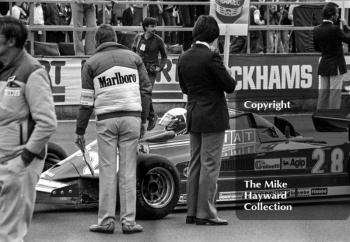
[201, 46]
[202, 43]
[110, 45]
[327, 21]
[8, 62]
[151, 36]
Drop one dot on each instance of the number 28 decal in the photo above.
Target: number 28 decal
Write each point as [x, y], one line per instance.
[337, 159]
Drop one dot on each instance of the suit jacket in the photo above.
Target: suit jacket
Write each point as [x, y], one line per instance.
[203, 77]
[127, 18]
[328, 39]
[52, 14]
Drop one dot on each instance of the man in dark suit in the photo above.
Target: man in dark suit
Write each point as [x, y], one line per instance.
[328, 39]
[53, 15]
[204, 78]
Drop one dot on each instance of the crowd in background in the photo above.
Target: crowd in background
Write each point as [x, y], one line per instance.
[270, 41]
[118, 14]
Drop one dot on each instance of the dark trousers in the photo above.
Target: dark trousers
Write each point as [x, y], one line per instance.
[187, 15]
[169, 20]
[203, 172]
[152, 77]
[55, 36]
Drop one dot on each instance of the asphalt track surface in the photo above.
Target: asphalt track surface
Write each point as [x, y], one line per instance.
[308, 222]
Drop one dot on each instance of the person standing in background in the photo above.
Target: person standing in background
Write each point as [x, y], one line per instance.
[149, 45]
[187, 14]
[117, 13]
[328, 39]
[204, 79]
[27, 121]
[84, 9]
[53, 15]
[108, 14]
[138, 15]
[38, 20]
[169, 20]
[255, 18]
[17, 11]
[155, 11]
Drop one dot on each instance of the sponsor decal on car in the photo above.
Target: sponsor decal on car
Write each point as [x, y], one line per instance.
[230, 196]
[182, 199]
[240, 136]
[303, 192]
[267, 164]
[319, 191]
[289, 163]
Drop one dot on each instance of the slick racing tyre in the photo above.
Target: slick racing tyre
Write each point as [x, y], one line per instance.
[54, 155]
[157, 187]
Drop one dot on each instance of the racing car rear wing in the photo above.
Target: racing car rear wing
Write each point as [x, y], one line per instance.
[332, 121]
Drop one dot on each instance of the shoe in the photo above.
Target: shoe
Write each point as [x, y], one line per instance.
[218, 221]
[190, 219]
[131, 228]
[152, 122]
[107, 228]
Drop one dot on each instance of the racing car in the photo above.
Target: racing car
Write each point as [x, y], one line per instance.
[255, 150]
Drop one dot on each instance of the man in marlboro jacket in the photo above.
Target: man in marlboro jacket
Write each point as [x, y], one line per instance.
[115, 83]
[27, 120]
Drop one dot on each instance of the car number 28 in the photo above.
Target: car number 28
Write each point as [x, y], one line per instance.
[337, 159]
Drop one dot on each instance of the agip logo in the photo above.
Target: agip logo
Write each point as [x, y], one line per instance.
[292, 163]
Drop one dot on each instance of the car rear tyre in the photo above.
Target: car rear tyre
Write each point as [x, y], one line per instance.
[157, 187]
[55, 154]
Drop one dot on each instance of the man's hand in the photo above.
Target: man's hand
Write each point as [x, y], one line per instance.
[80, 141]
[143, 129]
[228, 69]
[343, 22]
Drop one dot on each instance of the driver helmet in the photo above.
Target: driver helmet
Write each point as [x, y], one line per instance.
[174, 119]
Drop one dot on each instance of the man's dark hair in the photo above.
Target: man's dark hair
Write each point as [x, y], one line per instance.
[105, 33]
[13, 28]
[329, 10]
[205, 29]
[148, 21]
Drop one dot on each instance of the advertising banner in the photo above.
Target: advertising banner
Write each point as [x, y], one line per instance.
[275, 76]
[258, 77]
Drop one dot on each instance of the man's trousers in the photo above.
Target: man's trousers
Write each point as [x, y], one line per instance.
[121, 133]
[79, 12]
[17, 197]
[152, 77]
[329, 93]
[203, 172]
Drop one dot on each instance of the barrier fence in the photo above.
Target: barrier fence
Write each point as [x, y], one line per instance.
[268, 27]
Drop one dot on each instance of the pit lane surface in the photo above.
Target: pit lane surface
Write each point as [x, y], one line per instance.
[71, 225]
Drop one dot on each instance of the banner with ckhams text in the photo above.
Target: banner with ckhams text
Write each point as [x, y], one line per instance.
[258, 77]
[233, 14]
